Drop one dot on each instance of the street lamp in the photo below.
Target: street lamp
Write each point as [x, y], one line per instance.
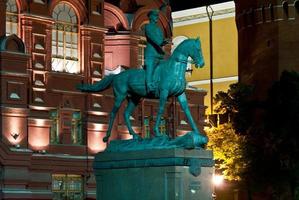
[217, 181]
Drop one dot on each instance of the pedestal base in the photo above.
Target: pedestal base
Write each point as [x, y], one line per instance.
[170, 174]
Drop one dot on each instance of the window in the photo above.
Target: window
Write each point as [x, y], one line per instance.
[162, 126]
[69, 121]
[141, 55]
[147, 126]
[65, 40]
[54, 129]
[67, 187]
[11, 17]
[147, 129]
[77, 128]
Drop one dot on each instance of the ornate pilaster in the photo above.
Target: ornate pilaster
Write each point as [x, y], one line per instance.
[48, 47]
[85, 53]
[27, 33]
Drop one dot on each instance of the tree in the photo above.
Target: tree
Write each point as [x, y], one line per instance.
[237, 104]
[228, 153]
[271, 137]
[282, 126]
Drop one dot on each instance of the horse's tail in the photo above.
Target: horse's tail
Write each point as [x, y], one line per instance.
[99, 86]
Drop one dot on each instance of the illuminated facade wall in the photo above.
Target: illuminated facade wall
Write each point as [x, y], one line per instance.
[49, 130]
[195, 23]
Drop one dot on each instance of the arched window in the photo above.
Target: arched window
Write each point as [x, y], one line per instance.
[65, 40]
[11, 17]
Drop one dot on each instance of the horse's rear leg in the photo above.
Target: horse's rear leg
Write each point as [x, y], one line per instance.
[132, 103]
[162, 102]
[117, 104]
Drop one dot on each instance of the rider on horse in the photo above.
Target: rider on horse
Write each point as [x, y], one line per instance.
[153, 51]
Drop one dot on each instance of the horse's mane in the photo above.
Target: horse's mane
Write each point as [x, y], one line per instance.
[182, 47]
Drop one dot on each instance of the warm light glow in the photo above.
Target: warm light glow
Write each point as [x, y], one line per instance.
[38, 138]
[39, 107]
[126, 136]
[40, 122]
[217, 179]
[14, 126]
[99, 127]
[98, 113]
[95, 142]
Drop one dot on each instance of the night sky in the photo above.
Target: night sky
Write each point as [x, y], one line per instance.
[177, 5]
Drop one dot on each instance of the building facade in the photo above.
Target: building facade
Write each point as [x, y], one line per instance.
[49, 130]
[219, 43]
[268, 41]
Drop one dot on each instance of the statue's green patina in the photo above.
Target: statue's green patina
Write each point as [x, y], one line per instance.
[153, 51]
[169, 80]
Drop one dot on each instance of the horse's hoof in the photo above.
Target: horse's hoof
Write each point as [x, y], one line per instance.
[161, 136]
[158, 135]
[105, 139]
[137, 137]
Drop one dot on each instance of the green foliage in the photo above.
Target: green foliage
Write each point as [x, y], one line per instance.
[270, 129]
[228, 153]
[236, 103]
[281, 130]
[273, 145]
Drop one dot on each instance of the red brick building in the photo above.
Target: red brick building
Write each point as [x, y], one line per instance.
[268, 41]
[49, 130]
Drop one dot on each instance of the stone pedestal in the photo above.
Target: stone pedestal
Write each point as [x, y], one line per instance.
[168, 174]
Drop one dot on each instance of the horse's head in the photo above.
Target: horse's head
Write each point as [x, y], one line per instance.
[195, 53]
[190, 48]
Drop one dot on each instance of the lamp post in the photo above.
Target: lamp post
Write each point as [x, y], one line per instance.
[210, 13]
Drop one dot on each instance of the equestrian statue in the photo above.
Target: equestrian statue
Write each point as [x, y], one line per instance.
[164, 79]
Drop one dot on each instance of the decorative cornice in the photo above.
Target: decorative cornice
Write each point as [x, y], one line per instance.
[197, 15]
[204, 15]
[250, 17]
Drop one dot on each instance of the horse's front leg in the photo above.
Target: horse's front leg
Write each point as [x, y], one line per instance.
[163, 99]
[184, 105]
